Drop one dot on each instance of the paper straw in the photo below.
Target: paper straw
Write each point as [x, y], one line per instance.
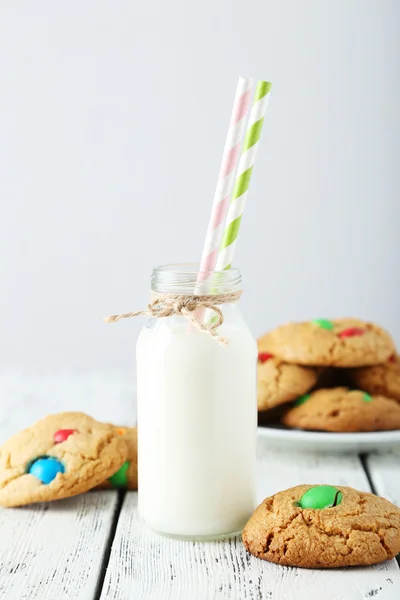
[243, 177]
[224, 186]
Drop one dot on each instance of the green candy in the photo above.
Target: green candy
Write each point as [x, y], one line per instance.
[302, 399]
[321, 496]
[120, 478]
[366, 397]
[324, 324]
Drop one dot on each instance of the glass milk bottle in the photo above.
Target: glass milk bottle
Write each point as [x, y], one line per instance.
[197, 416]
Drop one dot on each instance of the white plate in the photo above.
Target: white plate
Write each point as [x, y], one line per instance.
[295, 439]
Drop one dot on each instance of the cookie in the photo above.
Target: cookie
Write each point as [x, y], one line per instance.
[324, 527]
[127, 475]
[61, 456]
[279, 382]
[341, 409]
[323, 343]
[380, 379]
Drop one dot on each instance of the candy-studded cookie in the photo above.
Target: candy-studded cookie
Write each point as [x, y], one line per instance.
[127, 475]
[324, 526]
[340, 342]
[279, 382]
[341, 409]
[380, 379]
[61, 456]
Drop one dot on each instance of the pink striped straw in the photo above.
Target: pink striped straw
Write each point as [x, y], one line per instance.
[225, 184]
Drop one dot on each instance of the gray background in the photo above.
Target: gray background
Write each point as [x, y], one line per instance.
[113, 117]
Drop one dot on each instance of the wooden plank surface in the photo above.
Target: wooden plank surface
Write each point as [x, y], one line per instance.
[151, 567]
[54, 551]
[384, 470]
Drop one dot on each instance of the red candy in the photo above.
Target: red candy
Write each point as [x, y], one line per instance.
[392, 359]
[351, 332]
[264, 356]
[63, 434]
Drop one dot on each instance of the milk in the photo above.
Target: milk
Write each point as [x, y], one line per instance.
[197, 419]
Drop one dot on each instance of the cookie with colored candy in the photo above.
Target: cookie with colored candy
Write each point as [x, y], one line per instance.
[323, 526]
[341, 409]
[279, 382]
[61, 456]
[127, 475]
[380, 379]
[324, 343]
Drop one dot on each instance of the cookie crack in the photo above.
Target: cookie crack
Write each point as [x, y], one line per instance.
[99, 449]
[373, 528]
[385, 547]
[332, 348]
[278, 378]
[286, 544]
[280, 397]
[268, 542]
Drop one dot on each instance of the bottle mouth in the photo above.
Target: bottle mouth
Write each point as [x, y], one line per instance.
[185, 279]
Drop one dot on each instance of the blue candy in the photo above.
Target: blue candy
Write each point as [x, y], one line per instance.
[46, 468]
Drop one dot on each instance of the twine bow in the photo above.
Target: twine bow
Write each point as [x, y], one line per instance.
[166, 305]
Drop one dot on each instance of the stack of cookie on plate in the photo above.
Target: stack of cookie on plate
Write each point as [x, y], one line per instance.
[339, 375]
[64, 455]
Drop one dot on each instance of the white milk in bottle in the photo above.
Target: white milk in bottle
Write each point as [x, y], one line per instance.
[197, 416]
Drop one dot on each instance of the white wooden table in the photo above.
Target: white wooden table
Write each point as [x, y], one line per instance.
[94, 546]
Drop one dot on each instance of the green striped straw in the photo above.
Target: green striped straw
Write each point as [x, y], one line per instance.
[243, 177]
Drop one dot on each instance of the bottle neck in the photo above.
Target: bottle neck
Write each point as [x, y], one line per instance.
[185, 279]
